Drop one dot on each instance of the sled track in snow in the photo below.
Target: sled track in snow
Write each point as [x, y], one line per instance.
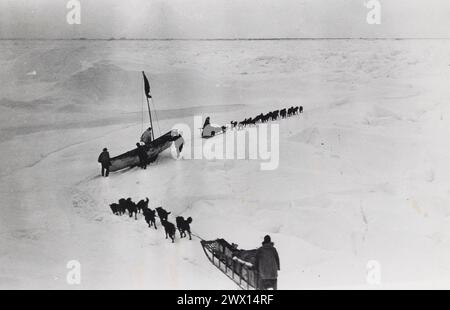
[45, 156]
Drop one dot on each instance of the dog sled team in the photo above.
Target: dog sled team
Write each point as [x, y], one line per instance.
[265, 263]
[210, 131]
[270, 116]
[130, 208]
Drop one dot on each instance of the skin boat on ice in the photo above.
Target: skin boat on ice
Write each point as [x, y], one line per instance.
[131, 158]
[152, 148]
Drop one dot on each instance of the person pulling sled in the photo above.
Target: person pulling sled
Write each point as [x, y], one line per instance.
[267, 264]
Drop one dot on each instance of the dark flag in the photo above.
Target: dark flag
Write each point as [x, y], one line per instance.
[146, 86]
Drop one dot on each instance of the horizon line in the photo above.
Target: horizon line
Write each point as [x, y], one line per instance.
[224, 39]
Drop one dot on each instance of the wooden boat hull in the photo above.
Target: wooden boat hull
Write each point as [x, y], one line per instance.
[131, 158]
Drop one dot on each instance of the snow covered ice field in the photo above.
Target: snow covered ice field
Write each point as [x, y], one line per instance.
[363, 173]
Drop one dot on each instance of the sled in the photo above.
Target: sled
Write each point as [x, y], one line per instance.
[153, 149]
[211, 131]
[234, 263]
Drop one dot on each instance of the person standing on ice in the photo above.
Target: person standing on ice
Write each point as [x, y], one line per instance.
[147, 136]
[104, 159]
[267, 264]
[143, 158]
[207, 122]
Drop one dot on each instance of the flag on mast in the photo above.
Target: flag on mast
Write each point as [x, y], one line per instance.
[146, 86]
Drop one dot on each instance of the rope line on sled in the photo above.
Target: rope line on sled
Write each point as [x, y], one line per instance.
[193, 234]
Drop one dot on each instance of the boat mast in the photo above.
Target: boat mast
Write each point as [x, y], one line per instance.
[147, 94]
[150, 116]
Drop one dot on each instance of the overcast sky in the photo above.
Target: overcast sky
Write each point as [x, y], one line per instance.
[223, 19]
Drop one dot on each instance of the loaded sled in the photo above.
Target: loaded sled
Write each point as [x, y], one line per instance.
[210, 131]
[238, 265]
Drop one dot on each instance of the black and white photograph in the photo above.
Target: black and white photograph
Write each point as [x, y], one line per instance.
[231, 145]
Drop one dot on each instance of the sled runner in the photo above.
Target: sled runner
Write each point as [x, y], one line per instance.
[234, 263]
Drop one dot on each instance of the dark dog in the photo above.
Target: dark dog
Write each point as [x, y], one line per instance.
[259, 118]
[292, 111]
[267, 117]
[115, 208]
[162, 214]
[169, 229]
[184, 226]
[122, 206]
[142, 205]
[132, 208]
[246, 122]
[149, 216]
[275, 115]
